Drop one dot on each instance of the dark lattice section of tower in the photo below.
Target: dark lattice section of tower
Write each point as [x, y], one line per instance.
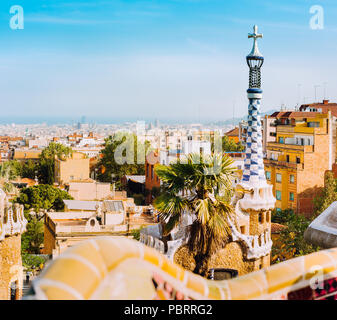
[255, 77]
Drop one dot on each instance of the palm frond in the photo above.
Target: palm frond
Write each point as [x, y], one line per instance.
[170, 207]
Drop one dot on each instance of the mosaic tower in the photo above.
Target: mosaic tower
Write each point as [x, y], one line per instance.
[254, 169]
[254, 198]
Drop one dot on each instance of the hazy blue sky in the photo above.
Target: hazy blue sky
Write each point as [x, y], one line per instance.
[176, 59]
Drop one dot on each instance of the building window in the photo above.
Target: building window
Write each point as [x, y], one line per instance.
[261, 217]
[288, 158]
[268, 216]
[292, 178]
[268, 175]
[298, 160]
[278, 195]
[278, 177]
[281, 140]
[313, 124]
[291, 196]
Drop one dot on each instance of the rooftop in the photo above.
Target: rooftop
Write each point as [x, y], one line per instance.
[295, 114]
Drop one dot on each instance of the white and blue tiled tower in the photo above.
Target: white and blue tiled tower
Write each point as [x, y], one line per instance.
[261, 198]
[253, 173]
[254, 199]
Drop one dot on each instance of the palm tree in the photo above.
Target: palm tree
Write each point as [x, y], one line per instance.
[202, 186]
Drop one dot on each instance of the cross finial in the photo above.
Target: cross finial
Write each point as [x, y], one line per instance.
[255, 36]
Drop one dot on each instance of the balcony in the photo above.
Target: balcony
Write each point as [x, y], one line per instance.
[284, 164]
[291, 146]
[285, 128]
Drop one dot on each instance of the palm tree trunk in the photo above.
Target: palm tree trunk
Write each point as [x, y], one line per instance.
[200, 264]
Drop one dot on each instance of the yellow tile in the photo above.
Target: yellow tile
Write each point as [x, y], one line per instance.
[113, 251]
[173, 270]
[214, 292]
[251, 286]
[322, 260]
[88, 251]
[285, 274]
[196, 283]
[74, 274]
[54, 293]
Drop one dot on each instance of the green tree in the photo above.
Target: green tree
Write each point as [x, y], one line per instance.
[291, 241]
[9, 171]
[228, 145]
[47, 161]
[121, 157]
[56, 149]
[32, 261]
[198, 185]
[282, 216]
[328, 196]
[29, 169]
[42, 196]
[32, 239]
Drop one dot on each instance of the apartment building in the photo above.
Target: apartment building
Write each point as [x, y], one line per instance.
[26, 154]
[296, 162]
[72, 169]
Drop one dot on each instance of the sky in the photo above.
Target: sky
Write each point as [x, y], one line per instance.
[177, 60]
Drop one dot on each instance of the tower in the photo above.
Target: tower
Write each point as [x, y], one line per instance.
[254, 196]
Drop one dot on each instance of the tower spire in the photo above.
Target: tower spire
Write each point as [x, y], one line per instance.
[254, 168]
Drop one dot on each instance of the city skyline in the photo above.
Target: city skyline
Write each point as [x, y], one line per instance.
[169, 60]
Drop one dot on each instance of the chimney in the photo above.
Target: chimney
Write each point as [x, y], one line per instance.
[325, 101]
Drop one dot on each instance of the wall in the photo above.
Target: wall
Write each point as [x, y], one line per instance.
[311, 179]
[49, 236]
[89, 190]
[232, 256]
[10, 265]
[76, 168]
[151, 179]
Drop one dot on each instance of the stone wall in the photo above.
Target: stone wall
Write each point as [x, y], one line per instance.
[232, 256]
[10, 266]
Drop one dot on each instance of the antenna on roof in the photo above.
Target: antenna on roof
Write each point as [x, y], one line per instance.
[316, 86]
[233, 113]
[298, 94]
[325, 89]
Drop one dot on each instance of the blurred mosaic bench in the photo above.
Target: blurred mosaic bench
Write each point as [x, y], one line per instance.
[110, 268]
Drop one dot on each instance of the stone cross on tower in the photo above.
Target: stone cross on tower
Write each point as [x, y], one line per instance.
[255, 36]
